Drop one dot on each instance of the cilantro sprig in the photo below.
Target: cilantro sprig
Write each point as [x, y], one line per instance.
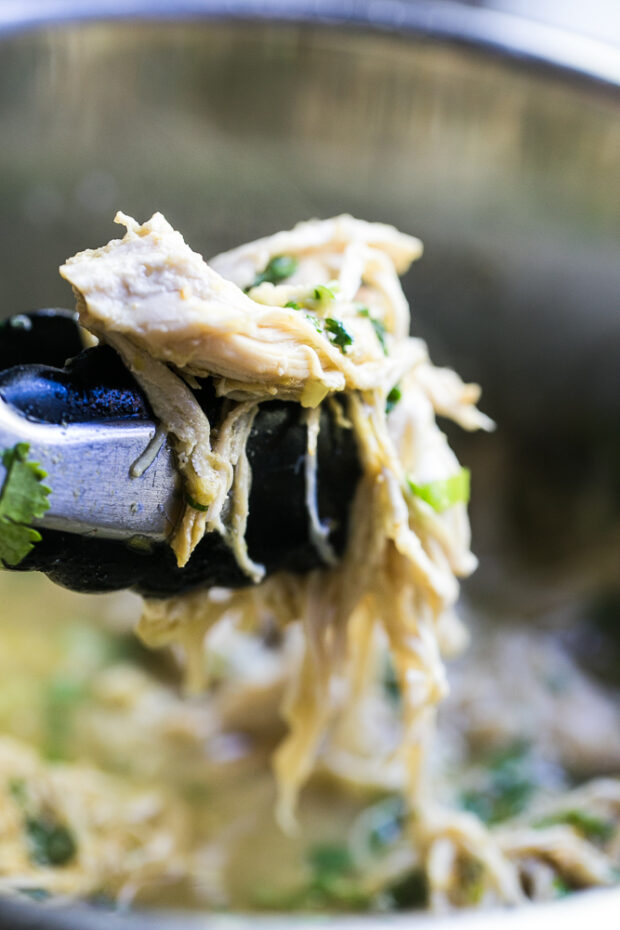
[394, 396]
[338, 334]
[315, 306]
[49, 842]
[23, 498]
[278, 269]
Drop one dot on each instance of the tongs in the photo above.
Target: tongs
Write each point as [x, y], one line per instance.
[113, 509]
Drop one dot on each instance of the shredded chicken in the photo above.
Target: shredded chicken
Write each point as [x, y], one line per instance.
[336, 322]
[72, 830]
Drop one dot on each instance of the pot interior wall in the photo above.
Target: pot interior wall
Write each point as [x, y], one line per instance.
[509, 176]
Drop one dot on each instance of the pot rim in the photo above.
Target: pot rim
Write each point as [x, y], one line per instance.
[598, 906]
[501, 33]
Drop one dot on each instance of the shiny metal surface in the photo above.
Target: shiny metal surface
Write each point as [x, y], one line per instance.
[540, 37]
[508, 173]
[600, 907]
[89, 471]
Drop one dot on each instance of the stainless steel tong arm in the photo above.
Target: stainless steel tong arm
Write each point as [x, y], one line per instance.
[89, 471]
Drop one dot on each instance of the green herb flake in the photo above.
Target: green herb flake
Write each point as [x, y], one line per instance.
[590, 826]
[380, 332]
[194, 503]
[408, 893]
[334, 881]
[387, 824]
[560, 887]
[390, 682]
[49, 842]
[445, 493]
[393, 398]
[278, 269]
[292, 305]
[338, 334]
[330, 859]
[377, 325]
[18, 791]
[343, 895]
[315, 322]
[61, 697]
[506, 788]
[23, 498]
[323, 293]
[332, 885]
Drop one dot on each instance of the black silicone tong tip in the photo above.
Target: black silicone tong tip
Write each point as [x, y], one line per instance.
[95, 385]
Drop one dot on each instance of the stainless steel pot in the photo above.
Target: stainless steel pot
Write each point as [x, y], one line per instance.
[495, 140]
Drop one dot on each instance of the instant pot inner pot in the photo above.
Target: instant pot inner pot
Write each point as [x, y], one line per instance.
[508, 175]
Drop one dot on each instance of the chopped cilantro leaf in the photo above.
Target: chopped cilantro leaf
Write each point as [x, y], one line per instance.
[323, 293]
[338, 334]
[380, 332]
[334, 881]
[444, 493]
[393, 397]
[278, 269]
[22, 499]
[193, 503]
[408, 893]
[386, 821]
[507, 786]
[18, 791]
[342, 894]
[590, 826]
[329, 859]
[61, 697]
[16, 541]
[390, 682]
[332, 884]
[315, 322]
[293, 305]
[560, 887]
[49, 842]
[377, 325]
